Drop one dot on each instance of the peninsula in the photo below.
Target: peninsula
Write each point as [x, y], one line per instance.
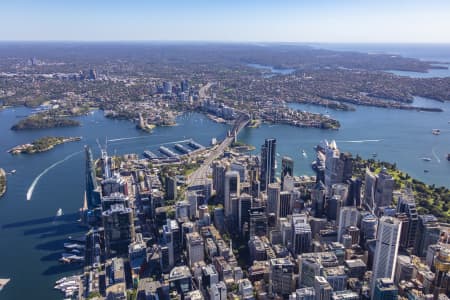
[42, 144]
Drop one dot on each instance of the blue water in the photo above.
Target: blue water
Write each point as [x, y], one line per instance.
[273, 71]
[431, 73]
[399, 136]
[31, 237]
[439, 53]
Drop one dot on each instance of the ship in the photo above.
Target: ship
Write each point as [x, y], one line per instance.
[436, 131]
[426, 159]
[448, 157]
[304, 153]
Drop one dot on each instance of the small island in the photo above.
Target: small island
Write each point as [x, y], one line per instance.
[40, 121]
[2, 182]
[42, 144]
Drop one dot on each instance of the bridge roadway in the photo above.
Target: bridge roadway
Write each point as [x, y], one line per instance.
[199, 175]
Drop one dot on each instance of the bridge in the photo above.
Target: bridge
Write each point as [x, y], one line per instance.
[199, 175]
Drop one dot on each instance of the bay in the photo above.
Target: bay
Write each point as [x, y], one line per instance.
[397, 136]
[32, 237]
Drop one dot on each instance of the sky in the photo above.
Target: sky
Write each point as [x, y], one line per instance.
[314, 21]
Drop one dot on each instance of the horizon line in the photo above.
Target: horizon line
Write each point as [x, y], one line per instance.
[223, 42]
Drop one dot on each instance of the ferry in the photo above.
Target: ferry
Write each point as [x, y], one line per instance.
[426, 159]
[436, 131]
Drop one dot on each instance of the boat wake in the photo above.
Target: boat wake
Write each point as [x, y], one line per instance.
[128, 138]
[360, 141]
[435, 155]
[36, 180]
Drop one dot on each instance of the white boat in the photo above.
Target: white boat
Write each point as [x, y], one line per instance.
[3, 282]
[426, 159]
[304, 153]
[436, 131]
[61, 280]
[59, 212]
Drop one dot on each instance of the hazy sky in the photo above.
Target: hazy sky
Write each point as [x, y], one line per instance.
[231, 20]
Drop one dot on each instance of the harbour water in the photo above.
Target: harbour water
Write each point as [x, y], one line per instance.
[439, 54]
[399, 136]
[32, 237]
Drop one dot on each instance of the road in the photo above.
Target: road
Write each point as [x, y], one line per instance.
[203, 90]
[199, 175]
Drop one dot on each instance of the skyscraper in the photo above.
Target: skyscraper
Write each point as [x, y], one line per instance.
[333, 165]
[386, 249]
[301, 234]
[268, 152]
[285, 205]
[273, 198]
[171, 188]
[407, 206]
[384, 189]
[195, 247]
[428, 234]
[245, 203]
[119, 229]
[219, 171]
[348, 216]
[231, 187]
[338, 166]
[369, 190]
[287, 168]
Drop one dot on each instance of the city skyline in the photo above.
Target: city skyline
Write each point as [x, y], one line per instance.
[224, 21]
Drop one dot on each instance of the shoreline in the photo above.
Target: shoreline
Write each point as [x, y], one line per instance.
[32, 148]
[2, 182]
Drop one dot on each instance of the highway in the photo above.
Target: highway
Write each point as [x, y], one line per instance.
[202, 92]
[199, 175]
